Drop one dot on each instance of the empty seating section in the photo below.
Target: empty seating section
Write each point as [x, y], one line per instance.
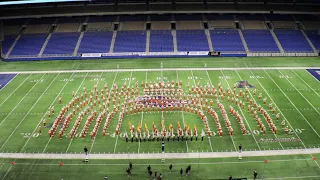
[260, 41]
[223, 24]
[293, 41]
[95, 42]
[163, 17]
[38, 28]
[311, 25]
[161, 41]
[314, 37]
[7, 43]
[188, 17]
[133, 18]
[62, 43]
[11, 30]
[192, 40]
[72, 27]
[283, 24]
[161, 25]
[29, 44]
[188, 25]
[102, 18]
[99, 26]
[226, 41]
[248, 24]
[130, 41]
[138, 25]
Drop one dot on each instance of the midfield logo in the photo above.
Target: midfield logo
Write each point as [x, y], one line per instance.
[243, 84]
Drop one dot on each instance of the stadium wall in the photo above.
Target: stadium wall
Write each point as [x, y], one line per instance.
[151, 55]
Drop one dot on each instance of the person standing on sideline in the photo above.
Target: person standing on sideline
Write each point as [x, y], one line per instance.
[155, 174]
[85, 150]
[170, 167]
[160, 177]
[181, 172]
[130, 166]
[128, 172]
[162, 146]
[255, 174]
[150, 174]
[230, 177]
[149, 168]
[105, 177]
[240, 148]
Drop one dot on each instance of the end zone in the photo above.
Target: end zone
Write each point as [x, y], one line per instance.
[315, 73]
[5, 79]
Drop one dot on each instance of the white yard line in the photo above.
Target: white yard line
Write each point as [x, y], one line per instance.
[50, 106]
[183, 115]
[163, 69]
[9, 82]
[107, 98]
[292, 103]
[283, 114]
[263, 153]
[234, 145]
[21, 100]
[15, 89]
[115, 145]
[244, 117]
[142, 113]
[22, 120]
[300, 92]
[256, 102]
[306, 83]
[84, 108]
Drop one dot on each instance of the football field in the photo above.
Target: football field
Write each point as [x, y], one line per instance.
[294, 94]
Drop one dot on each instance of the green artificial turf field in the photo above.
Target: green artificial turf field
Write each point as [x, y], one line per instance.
[25, 100]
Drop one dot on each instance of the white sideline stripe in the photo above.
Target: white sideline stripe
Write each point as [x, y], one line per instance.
[20, 101]
[163, 69]
[234, 145]
[163, 164]
[29, 110]
[183, 115]
[75, 121]
[295, 177]
[292, 103]
[108, 98]
[224, 77]
[15, 89]
[262, 153]
[115, 144]
[256, 102]
[45, 114]
[9, 82]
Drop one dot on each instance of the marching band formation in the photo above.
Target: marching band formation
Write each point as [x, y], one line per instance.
[104, 105]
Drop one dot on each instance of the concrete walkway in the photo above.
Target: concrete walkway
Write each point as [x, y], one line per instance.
[160, 155]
